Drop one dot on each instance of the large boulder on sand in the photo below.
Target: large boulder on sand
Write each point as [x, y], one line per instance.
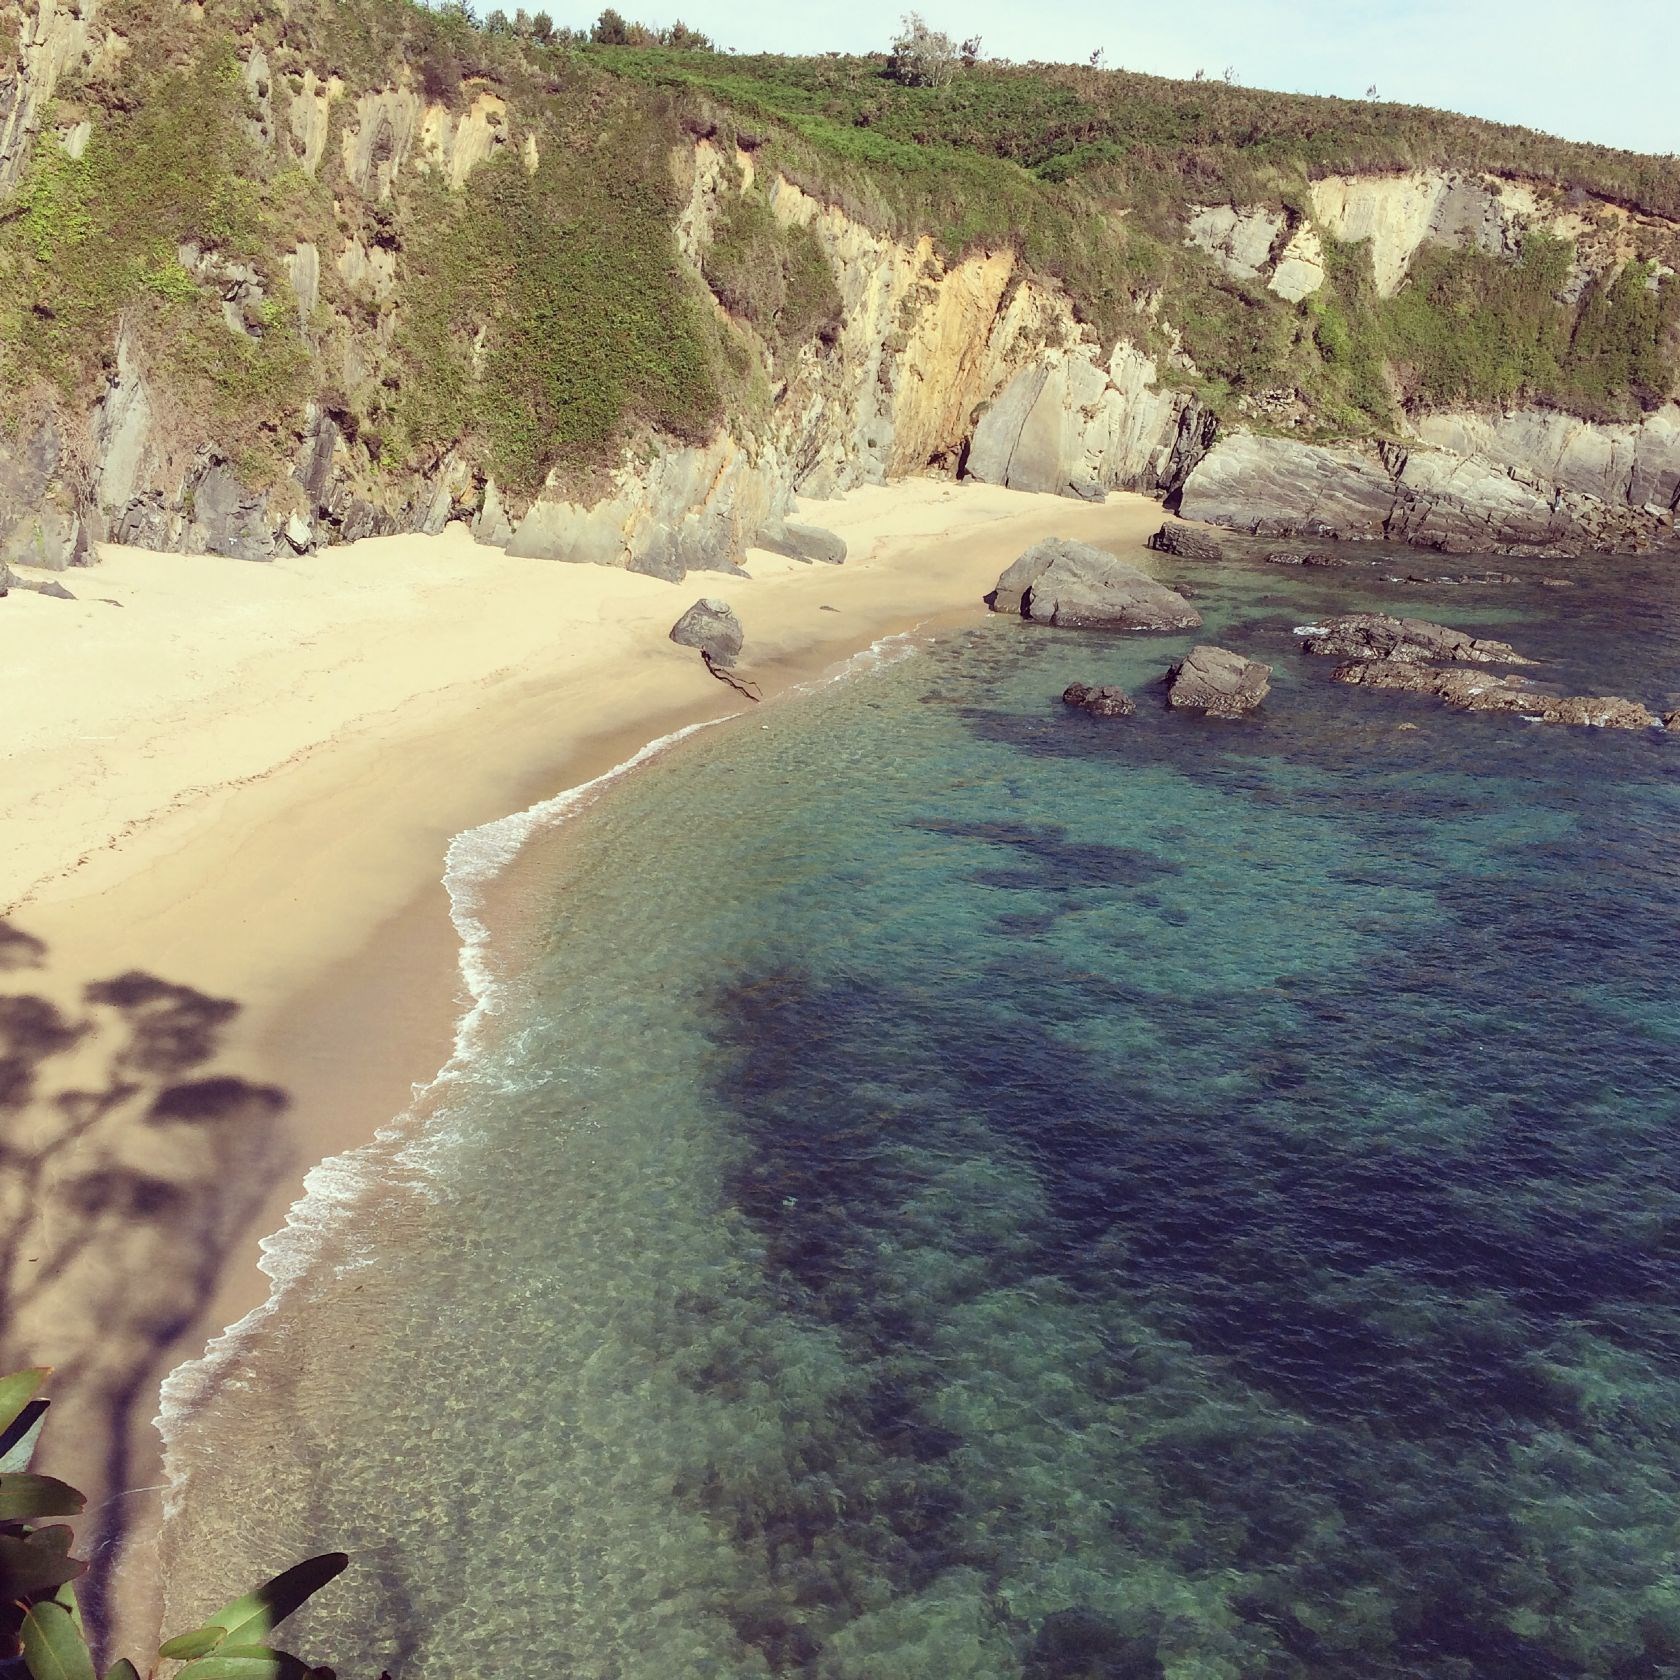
[1188, 542]
[1406, 641]
[1216, 681]
[1098, 701]
[710, 626]
[1077, 586]
[803, 542]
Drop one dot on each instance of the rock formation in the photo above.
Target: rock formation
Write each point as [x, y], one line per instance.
[712, 627]
[1474, 691]
[1305, 557]
[1526, 484]
[1077, 586]
[1187, 542]
[1099, 701]
[1404, 641]
[1216, 681]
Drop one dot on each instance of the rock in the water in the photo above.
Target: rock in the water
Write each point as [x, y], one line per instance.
[710, 626]
[803, 542]
[1474, 691]
[1404, 641]
[1304, 557]
[1099, 702]
[1216, 681]
[1188, 542]
[1075, 585]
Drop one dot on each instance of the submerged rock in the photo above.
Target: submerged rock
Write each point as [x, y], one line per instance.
[1404, 641]
[1074, 585]
[1188, 542]
[1304, 557]
[712, 627]
[1474, 691]
[1216, 681]
[1099, 702]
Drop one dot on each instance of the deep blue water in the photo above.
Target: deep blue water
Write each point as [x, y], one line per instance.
[969, 1189]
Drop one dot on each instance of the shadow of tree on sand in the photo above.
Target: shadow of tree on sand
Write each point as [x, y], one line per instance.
[128, 1166]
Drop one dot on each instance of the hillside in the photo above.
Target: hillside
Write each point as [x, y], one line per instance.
[300, 272]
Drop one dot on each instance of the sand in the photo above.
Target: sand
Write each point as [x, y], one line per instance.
[241, 778]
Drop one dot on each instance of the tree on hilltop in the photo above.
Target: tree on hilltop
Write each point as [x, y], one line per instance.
[922, 57]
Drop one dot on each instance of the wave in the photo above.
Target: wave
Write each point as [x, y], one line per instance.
[473, 860]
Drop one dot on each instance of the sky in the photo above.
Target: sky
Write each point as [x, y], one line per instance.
[1603, 70]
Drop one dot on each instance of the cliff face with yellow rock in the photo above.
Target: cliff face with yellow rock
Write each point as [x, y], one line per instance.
[279, 275]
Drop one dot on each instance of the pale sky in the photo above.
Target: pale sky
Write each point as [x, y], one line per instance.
[1604, 70]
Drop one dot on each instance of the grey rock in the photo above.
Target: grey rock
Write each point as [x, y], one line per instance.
[299, 535]
[44, 586]
[710, 626]
[492, 526]
[1187, 542]
[1501, 498]
[229, 519]
[1278, 487]
[1404, 641]
[1671, 720]
[1075, 585]
[1216, 681]
[1305, 557]
[43, 520]
[7, 579]
[1475, 691]
[803, 542]
[1099, 701]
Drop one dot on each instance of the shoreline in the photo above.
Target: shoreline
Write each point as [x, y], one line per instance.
[302, 875]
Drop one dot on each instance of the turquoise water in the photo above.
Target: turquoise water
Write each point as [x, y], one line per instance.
[968, 1189]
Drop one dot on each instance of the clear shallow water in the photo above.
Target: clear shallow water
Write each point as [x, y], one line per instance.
[968, 1189]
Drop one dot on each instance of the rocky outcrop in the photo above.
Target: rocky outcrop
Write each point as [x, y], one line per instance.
[1080, 587]
[710, 626]
[1404, 641]
[803, 542]
[1472, 691]
[1216, 681]
[1436, 498]
[1239, 239]
[43, 521]
[55, 38]
[1099, 702]
[1078, 426]
[1188, 542]
[1306, 557]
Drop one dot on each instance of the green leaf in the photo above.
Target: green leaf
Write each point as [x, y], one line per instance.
[199, 1643]
[25, 1497]
[246, 1662]
[38, 1563]
[18, 1438]
[122, 1669]
[53, 1646]
[17, 1390]
[253, 1615]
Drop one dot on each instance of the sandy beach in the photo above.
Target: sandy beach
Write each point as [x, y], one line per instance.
[227, 794]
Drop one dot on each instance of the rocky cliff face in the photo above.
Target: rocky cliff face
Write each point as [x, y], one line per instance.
[973, 365]
[1528, 482]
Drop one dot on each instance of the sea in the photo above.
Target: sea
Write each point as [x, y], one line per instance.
[934, 1184]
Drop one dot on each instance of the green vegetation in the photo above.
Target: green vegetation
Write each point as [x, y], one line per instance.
[778, 278]
[540, 318]
[571, 276]
[40, 1619]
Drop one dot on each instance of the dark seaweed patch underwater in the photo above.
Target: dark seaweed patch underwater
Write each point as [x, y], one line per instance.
[975, 1190]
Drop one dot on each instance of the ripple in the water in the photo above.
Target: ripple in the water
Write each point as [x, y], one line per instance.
[974, 1190]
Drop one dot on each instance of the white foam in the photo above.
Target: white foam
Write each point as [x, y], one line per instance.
[472, 861]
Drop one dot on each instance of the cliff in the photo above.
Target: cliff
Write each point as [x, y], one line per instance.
[277, 277]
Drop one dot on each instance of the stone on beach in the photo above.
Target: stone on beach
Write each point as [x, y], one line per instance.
[712, 627]
[1102, 701]
[803, 542]
[1188, 542]
[1076, 586]
[1216, 681]
[1404, 641]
